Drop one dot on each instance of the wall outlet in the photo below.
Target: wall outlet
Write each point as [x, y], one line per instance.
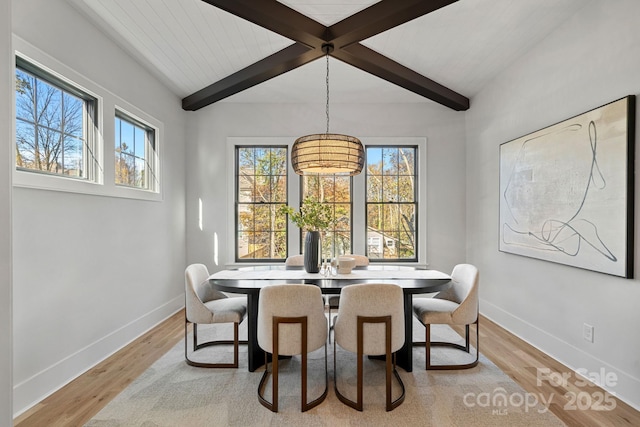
[587, 332]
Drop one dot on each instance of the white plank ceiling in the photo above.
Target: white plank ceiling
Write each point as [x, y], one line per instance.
[189, 44]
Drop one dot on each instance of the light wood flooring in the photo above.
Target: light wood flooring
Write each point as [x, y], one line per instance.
[77, 402]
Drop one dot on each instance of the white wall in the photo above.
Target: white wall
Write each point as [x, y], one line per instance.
[91, 273]
[588, 61]
[6, 159]
[210, 174]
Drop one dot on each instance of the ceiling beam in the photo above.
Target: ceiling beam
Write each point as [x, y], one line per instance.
[309, 36]
[379, 65]
[379, 18]
[287, 59]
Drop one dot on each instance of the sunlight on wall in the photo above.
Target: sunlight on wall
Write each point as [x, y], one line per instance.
[215, 248]
[200, 213]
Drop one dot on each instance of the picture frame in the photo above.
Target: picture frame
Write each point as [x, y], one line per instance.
[567, 191]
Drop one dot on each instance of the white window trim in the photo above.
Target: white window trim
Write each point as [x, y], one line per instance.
[104, 149]
[358, 196]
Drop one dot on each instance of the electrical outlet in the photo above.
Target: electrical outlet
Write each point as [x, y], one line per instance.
[587, 332]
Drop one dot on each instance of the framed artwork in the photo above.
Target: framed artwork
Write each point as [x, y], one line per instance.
[567, 191]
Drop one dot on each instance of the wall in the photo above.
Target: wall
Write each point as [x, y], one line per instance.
[6, 153]
[92, 273]
[588, 61]
[210, 176]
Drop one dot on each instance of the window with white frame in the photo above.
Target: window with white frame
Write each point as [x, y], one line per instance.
[135, 153]
[55, 125]
[391, 203]
[260, 191]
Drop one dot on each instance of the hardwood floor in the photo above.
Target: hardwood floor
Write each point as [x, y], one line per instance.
[77, 402]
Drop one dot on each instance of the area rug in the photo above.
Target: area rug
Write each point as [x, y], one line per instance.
[171, 393]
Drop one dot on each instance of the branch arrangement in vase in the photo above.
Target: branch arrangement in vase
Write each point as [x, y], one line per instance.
[312, 216]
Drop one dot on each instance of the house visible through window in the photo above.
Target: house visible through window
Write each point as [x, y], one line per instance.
[261, 189]
[54, 125]
[391, 203]
[135, 153]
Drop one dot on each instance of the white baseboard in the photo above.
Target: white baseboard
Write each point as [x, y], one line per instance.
[49, 380]
[626, 385]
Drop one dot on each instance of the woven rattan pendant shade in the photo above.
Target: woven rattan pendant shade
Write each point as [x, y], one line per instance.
[327, 153]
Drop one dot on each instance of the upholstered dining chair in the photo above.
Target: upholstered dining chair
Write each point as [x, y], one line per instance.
[291, 321]
[457, 305]
[205, 305]
[294, 261]
[370, 321]
[333, 301]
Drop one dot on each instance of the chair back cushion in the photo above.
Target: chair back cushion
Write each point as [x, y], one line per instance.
[464, 291]
[197, 292]
[291, 300]
[370, 299]
[294, 260]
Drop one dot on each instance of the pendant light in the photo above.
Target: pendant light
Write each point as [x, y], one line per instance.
[327, 153]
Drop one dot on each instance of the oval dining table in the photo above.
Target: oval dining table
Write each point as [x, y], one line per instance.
[249, 281]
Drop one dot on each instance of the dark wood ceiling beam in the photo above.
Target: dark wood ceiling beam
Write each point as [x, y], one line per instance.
[379, 65]
[309, 36]
[379, 18]
[276, 17]
[280, 62]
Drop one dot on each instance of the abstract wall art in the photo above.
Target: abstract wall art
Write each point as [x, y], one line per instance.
[567, 193]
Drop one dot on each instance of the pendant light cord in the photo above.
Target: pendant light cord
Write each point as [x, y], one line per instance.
[327, 92]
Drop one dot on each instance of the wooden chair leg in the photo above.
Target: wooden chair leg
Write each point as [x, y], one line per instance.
[304, 406]
[466, 348]
[389, 366]
[235, 342]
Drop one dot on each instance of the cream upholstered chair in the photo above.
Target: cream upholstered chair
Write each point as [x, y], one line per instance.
[203, 304]
[457, 305]
[334, 300]
[370, 321]
[294, 261]
[291, 321]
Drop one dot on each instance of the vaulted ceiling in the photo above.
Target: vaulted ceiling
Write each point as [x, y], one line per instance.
[206, 54]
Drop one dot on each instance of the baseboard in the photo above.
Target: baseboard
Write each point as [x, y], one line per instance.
[575, 359]
[49, 380]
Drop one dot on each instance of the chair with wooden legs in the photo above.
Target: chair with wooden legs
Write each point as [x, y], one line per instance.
[291, 321]
[370, 322]
[457, 305]
[205, 305]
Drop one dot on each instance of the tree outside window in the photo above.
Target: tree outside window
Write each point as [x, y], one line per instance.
[334, 190]
[261, 189]
[134, 153]
[391, 203]
[51, 135]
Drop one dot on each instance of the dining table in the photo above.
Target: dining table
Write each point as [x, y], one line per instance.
[249, 280]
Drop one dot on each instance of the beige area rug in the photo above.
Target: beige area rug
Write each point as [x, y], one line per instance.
[171, 393]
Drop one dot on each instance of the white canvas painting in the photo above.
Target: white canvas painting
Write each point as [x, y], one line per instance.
[566, 191]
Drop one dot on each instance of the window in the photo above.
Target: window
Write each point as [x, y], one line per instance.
[261, 189]
[391, 203]
[336, 191]
[135, 153]
[54, 125]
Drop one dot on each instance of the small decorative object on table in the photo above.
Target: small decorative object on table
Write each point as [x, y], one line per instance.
[346, 264]
[314, 217]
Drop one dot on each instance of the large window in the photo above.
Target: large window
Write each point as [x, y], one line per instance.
[334, 190]
[135, 153]
[391, 203]
[261, 189]
[54, 125]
